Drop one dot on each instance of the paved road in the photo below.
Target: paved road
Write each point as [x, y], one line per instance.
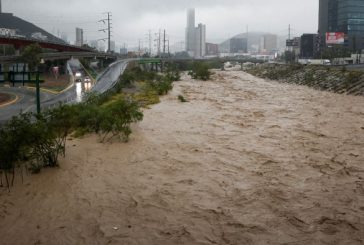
[74, 95]
[26, 98]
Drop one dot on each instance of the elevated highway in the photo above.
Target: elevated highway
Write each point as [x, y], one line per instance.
[19, 42]
[62, 56]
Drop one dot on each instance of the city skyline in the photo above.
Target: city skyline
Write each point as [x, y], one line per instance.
[131, 21]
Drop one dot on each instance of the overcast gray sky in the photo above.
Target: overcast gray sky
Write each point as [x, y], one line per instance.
[133, 18]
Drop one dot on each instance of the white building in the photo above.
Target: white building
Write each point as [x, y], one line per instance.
[39, 36]
[79, 37]
[200, 43]
[269, 43]
[94, 44]
[112, 46]
[195, 36]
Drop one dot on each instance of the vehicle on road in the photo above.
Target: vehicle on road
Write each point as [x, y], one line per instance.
[87, 79]
[314, 62]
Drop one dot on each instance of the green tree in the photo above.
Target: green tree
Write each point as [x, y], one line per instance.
[32, 55]
[200, 70]
[117, 117]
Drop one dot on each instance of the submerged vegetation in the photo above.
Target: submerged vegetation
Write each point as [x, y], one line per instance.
[145, 86]
[200, 70]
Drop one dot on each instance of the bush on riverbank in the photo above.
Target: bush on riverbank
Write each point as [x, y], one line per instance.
[200, 70]
[148, 86]
[32, 142]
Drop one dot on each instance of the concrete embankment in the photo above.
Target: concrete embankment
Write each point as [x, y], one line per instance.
[334, 79]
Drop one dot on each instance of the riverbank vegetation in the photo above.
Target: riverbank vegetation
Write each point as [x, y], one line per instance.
[30, 142]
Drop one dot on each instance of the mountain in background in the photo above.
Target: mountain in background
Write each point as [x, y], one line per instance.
[26, 29]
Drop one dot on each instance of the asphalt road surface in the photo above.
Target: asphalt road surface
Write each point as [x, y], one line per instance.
[74, 94]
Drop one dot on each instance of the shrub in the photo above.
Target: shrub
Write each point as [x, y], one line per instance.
[182, 99]
[115, 118]
[37, 141]
[200, 70]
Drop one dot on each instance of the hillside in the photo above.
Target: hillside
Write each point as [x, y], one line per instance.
[24, 28]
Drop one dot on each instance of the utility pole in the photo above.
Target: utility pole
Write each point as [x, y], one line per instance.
[150, 42]
[247, 37]
[289, 32]
[139, 47]
[158, 40]
[159, 43]
[164, 42]
[108, 29]
[168, 48]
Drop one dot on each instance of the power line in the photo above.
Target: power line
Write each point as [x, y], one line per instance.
[108, 29]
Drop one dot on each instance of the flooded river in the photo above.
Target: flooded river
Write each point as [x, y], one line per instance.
[245, 161]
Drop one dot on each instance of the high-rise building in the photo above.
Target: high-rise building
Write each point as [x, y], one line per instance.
[123, 51]
[269, 43]
[195, 36]
[308, 46]
[238, 45]
[112, 46]
[190, 32]
[323, 16]
[343, 16]
[212, 49]
[200, 43]
[79, 37]
[64, 37]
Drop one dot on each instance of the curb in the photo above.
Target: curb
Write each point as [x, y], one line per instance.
[10, 102]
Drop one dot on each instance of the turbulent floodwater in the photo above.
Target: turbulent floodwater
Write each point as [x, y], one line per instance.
[245, 161]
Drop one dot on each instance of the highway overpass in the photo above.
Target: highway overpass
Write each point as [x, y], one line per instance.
[62, 56]
[19, 42]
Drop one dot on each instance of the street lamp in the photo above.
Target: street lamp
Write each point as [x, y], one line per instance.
[38, 87]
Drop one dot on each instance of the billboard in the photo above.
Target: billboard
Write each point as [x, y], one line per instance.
[293, 42]
[335, 38]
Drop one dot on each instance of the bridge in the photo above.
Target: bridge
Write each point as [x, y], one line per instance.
[159, 63]
[62, 56]
[19, 42]
[218, 59]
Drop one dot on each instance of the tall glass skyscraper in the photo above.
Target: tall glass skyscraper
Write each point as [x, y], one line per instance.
[343, 16]
[350, 16]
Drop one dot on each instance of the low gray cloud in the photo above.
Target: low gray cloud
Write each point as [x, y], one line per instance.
[133, 19]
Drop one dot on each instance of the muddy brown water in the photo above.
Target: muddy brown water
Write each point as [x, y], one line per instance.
[245, 161]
